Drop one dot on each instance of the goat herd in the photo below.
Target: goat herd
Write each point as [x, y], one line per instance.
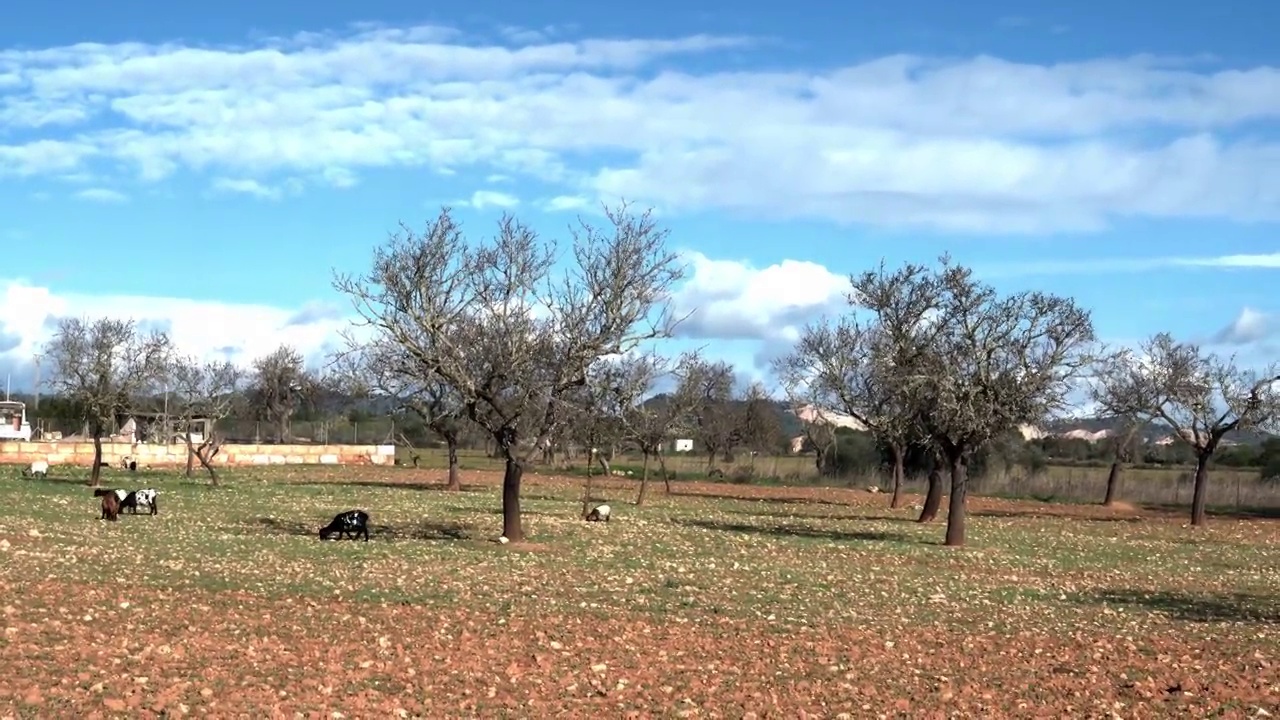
[351, 524]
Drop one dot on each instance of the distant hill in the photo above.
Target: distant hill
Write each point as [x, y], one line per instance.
[1094, 429]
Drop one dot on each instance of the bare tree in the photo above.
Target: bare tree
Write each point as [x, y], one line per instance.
[102, 366]
[987, 364]
[818, 434]
[596, 411]
[652, 422]
[329, 399]
[858, 368]
[709, 388]
[1119, 393]
[386, 370]
[279, 387]
[759, 428]
[208, 390]
[1202, 397]
[505, 330]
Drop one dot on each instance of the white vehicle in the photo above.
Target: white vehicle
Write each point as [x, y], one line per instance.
[13, 421]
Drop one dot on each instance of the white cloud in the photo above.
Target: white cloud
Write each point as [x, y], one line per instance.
[102, 195]
[1093, 266]
[339, 177]
[978, 144]
[732, 299]
[565, 203]
[212, 330]
[1250, 326]
[481, 199]
[246, 186]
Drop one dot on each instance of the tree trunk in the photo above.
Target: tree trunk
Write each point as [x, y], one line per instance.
[282, 430]
[191, 454]
[604, 463]
[1200, 494]
[644, 480]
[1113, 483]
[895, 451]
[455, 480]
[711, 460]
[95, 475]
[205, 454]
[933, 498]
[955, 505]
[666, 476]
[511, 526]
[586, 493]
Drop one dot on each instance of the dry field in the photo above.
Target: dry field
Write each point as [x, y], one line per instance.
[721, 601]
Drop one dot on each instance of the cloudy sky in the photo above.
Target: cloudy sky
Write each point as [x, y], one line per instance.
[205, 170]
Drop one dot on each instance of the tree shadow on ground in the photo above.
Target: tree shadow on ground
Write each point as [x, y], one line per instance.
[61, 480]
[1226, 607]
[498, 511]
[1041, 514]
[772, 500]
[851, 513]
[1241, 513]
[441, 486]
[422, 530]
[791, 530]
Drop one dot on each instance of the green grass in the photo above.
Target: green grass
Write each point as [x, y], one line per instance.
[684, 556]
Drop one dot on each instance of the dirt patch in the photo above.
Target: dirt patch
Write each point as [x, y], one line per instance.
[230, 653]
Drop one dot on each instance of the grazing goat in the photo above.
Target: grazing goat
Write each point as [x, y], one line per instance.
[128, 463]
[599, 513]
[145, 497]
[110, 503]
[39, 468]
[352, 524]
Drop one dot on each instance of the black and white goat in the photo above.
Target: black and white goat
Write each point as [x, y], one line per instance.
[599, 513]
[352, 524]
[39, 468]
[145, 497]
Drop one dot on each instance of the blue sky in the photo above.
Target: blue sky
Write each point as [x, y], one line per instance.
[206, 169]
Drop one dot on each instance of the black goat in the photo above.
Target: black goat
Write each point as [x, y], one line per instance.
[352, 524]
[110, 503]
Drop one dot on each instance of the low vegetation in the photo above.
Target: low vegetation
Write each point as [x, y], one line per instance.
[709, 600]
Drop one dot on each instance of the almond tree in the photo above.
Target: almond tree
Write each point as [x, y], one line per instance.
[651, 423]
[208, 390]
[1202, 397]
[596, 411]
[856, 366]
[102, 366]
[1115, 388]
[989, 364]
[758, 426]
[385, 370]
[709, 387]
[279, 386]
[507, 330]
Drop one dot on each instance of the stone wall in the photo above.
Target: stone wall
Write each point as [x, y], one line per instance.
[231, 455]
